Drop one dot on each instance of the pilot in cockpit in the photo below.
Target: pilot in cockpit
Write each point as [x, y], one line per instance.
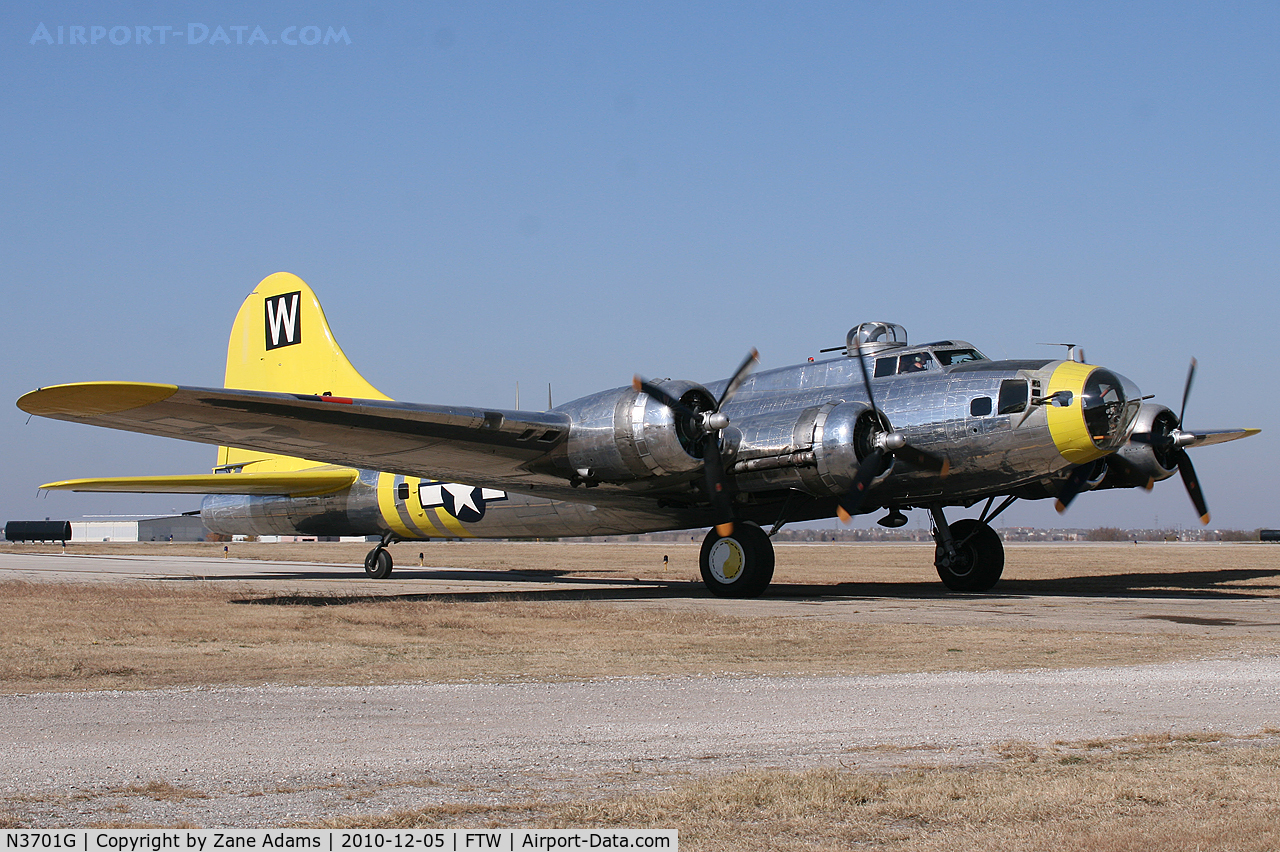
[916, 363]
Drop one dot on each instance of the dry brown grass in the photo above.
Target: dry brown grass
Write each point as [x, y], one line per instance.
[161, 791]
[176, 633]
[63, 637]
[1133, 794]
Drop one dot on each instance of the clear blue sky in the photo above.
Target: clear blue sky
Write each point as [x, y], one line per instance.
[491, 193]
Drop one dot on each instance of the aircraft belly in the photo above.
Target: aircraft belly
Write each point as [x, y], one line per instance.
[326, 515]
[411, 508]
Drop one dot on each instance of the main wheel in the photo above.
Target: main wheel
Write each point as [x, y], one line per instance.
[738, 565]
[979, 558]
[378, 564]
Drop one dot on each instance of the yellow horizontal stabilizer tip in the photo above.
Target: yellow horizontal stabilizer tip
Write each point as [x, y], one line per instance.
[297, 483]
[89, 399]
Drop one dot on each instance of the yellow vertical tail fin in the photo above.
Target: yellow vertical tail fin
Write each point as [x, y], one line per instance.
[281, 342]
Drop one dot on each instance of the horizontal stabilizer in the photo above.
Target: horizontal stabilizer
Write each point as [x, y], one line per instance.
[298, 483]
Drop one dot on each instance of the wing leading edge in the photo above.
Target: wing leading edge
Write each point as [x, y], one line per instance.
[511, 450]
[298, 483]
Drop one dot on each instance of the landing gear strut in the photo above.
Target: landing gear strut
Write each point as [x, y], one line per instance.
[969, 556]
[738, 565]
[378, 563]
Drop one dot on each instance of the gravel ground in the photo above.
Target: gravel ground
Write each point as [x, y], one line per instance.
[266, 756]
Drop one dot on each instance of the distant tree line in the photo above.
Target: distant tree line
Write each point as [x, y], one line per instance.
[1117, 534]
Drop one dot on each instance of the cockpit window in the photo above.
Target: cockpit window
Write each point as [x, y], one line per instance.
[916, 363]
[885, 367]
[947, 357]
[1014, 396]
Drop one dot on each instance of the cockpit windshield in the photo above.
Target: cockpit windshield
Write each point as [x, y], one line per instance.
[948, 357]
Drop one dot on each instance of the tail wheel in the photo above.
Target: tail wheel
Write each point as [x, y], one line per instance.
[979, 559]
[738, 565]
[378, 564]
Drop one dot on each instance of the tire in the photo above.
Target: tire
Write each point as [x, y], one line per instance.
[378, 564]
[979, 559]
[739, 565]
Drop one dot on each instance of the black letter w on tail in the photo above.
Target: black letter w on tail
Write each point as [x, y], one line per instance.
[283, 325]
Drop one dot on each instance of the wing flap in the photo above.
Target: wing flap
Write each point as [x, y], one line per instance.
[299, 483]
[502, 449]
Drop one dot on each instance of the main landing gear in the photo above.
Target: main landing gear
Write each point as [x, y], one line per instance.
[969, 556]
[378, 563]
[738, 565]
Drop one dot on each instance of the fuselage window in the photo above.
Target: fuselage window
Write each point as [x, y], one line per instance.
[1013, 396]
[980, 407]
[917, 363]
[885, 367]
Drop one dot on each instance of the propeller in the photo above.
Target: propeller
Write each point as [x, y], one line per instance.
[1172, 442]
[1074, 484]
[888, 443]
[709, 425]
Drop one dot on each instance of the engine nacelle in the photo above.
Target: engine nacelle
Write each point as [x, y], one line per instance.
[1137, 462]
[624, 435]
[844, 437]
[816, 450]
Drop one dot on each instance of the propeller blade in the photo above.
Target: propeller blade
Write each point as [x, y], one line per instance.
[849, 504]
[1076, 481]
[1186, 391]
[739, 376]
[1192, 483]
[717, 487]
[663, 397]
[866, 378]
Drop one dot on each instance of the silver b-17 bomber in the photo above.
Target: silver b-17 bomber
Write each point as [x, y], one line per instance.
[307, 446]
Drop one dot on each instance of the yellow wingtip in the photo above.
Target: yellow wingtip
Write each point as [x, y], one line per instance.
[91, 399]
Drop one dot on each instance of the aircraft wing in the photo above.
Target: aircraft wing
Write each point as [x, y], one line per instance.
[295, 483]
[511, 450]
[1205, 437]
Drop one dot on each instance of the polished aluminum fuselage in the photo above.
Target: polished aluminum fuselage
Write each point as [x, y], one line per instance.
[796, 438]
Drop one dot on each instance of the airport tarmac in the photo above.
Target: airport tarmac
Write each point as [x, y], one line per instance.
[1208, 610]
[269, 755]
